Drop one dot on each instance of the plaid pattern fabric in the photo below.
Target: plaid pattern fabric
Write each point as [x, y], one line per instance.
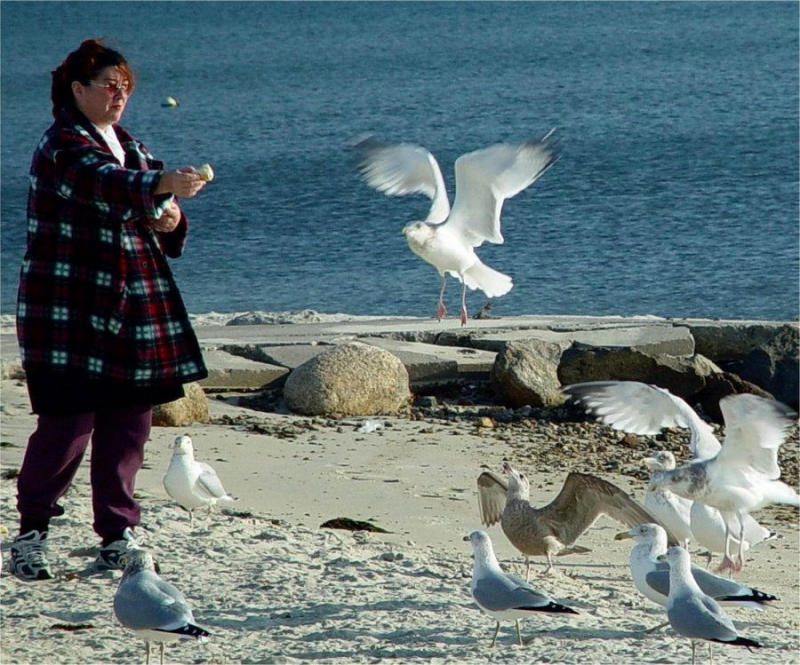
[96, 293]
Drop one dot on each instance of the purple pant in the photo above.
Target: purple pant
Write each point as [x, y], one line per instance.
[54, 453]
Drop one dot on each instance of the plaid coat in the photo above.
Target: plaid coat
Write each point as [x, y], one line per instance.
[96, 297]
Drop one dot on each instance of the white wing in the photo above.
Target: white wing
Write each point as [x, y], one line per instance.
[755, 428]
[636, 407]
[209, 482]
[485, 178]
[402, 169]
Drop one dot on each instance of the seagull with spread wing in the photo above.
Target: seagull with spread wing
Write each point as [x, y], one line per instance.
[447, 237]
[553, 529]
[754, 426]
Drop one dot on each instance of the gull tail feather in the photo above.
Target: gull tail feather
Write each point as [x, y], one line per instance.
[490, 281]
[741, 641]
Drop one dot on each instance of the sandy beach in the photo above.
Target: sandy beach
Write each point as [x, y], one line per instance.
[274, 587]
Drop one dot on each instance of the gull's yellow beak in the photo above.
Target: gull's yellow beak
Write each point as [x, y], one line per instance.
[622, 535]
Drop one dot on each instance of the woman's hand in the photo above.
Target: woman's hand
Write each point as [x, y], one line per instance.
[169, 219]
[184, 182]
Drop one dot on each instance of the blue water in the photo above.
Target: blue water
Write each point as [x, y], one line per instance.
[676, 193]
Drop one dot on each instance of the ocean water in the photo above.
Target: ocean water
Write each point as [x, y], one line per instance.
[676, 193]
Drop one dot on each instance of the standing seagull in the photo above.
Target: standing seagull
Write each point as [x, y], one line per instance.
[651, 577]
[552, 530]
[192, 484]
[692, 613]
[669, 509]
[636, 407]
[152, 608]
[503, 596]
[484, 179]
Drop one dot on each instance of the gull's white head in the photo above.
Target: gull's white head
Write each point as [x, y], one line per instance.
[646, 533]
[663, 460]
[182, 446]
[676, 557]
[518, 485]
[417, 232]
[482, 548]
[137, 559]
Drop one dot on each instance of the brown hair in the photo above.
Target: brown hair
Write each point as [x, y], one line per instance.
[82, 65]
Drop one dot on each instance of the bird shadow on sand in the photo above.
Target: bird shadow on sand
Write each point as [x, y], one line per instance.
[258, 618]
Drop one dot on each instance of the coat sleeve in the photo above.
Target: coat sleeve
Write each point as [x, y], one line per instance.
[86, 174]
[172, 243]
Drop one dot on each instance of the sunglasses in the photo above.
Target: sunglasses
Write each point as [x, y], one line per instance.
[113, 87]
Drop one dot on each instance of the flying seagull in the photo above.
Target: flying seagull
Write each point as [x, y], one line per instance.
[503, 596]
[447, 237]
[651, 577]
[735, 478]
[151, 607]
[191, 483]
[553, 529]
[691, 612]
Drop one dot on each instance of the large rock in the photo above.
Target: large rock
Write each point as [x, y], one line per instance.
[721, 385]
[191, 408]
[352, 379]
[766, 354]
[681, 375]
[525, 372]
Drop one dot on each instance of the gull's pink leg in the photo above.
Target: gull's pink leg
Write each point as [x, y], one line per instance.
[728, 563]
[463, 304]
[740, 556]
[441, 310]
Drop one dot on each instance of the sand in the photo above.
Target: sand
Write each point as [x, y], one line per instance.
[273, 587]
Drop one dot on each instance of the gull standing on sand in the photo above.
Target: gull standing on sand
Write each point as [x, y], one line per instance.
[503, 596]
[484, 180]
[636, 407]
[553, 529]
[671, 510]
[191, 483]
[651, 576]
[692, 613]
[151, 607]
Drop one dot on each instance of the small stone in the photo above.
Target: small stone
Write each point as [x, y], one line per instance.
[630, 440]
[485, 422]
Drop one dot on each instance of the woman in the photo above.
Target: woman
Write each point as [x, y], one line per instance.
[102, 329]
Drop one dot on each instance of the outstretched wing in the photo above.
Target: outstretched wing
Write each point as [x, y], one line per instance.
[636, 407]
[487, 177]
[582, 499]
[401, 169]
[755, 428]
[491, 497]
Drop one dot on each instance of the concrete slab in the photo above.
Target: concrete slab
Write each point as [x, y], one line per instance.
[230, 372]
[661, 338]
[288, 356]
[431, 363]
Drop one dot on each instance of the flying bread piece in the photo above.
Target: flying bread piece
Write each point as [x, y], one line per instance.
[206, 172]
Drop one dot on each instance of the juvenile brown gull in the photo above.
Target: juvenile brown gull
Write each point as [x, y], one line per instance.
[553, 529]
